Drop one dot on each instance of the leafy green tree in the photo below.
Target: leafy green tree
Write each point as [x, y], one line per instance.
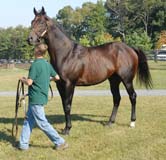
[25, 50]
[140, 40]
[5, 43]
[71, 19]
[88, 21]
[94, 23]
[128, 16]
[13, 44]
[84, 40]
[118, 20]
[99, 39]
[65, 18]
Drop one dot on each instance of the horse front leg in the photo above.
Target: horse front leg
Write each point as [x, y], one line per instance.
[114, 84]
[66, 91]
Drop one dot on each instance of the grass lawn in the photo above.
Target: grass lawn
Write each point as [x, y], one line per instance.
[9, 78]
[89, 139]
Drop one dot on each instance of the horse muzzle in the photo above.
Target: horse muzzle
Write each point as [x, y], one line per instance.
[33, 39]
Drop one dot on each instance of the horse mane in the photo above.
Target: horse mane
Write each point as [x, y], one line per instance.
[60, 26]
[56, 24]
[77, 47]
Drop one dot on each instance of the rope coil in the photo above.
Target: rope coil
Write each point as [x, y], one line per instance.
[20, 101]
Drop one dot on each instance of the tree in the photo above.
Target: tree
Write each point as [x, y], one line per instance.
[118, 18]
[65, 19]
[5, 43]
[161, 40]
[129, 16]
[13, 44]
[140, 40]
[99, 39]
[87, 21]
[94, 23]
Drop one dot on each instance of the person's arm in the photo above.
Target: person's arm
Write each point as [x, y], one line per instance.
[26, 81]
[53, 74]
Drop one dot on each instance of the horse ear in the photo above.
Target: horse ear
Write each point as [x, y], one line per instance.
[34, 10]
[43, 11]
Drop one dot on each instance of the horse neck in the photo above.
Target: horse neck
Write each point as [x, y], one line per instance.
[59, 46]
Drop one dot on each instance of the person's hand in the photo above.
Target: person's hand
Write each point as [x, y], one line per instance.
[22, 78]
[26, 81]
[57, 77]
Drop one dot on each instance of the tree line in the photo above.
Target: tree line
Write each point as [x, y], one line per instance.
[139, 23]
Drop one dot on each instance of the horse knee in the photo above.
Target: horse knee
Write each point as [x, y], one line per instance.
[133, 97]
[67, 108]
[117, 100]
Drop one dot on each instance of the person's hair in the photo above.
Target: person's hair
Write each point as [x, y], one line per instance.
[41, 49]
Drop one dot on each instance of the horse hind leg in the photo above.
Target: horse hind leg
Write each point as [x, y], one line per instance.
[132, 96]
[114, 84]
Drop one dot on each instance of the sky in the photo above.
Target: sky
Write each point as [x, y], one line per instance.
[20, 12]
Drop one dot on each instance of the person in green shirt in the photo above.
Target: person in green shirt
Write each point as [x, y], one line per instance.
[38, 85]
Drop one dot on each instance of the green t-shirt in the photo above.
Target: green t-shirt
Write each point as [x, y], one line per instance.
[40, 72]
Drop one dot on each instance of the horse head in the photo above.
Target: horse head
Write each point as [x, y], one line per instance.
[39, 27]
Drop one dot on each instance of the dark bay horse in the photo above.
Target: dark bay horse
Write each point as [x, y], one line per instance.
[78, 65]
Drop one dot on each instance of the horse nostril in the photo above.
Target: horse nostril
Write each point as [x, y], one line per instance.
[29, 40]
[38, 40]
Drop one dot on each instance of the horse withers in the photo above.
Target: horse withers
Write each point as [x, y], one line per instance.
[78, 65]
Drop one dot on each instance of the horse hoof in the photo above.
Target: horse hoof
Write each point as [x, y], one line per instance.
[65, 132]
[132, 124]
[109, 124]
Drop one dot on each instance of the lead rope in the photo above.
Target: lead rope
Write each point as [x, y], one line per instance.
[20, 101]
[51, 91]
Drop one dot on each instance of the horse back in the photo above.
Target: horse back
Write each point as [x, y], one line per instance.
[92, 65]
[101, 62]
[98, 64]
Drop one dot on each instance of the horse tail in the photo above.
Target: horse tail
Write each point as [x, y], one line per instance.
[143, 73]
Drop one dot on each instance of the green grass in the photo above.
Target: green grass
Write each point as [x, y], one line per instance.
[89, 139]
[9, 78]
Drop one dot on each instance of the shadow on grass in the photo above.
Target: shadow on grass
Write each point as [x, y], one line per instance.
[75, 117]
[6, 134]
[59, 118]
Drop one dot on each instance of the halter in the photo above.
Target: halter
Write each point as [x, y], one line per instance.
[44, 32]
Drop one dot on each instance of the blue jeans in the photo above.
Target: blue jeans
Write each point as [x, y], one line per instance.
[36, 115]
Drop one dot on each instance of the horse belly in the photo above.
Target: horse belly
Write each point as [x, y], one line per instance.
[94, 74]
